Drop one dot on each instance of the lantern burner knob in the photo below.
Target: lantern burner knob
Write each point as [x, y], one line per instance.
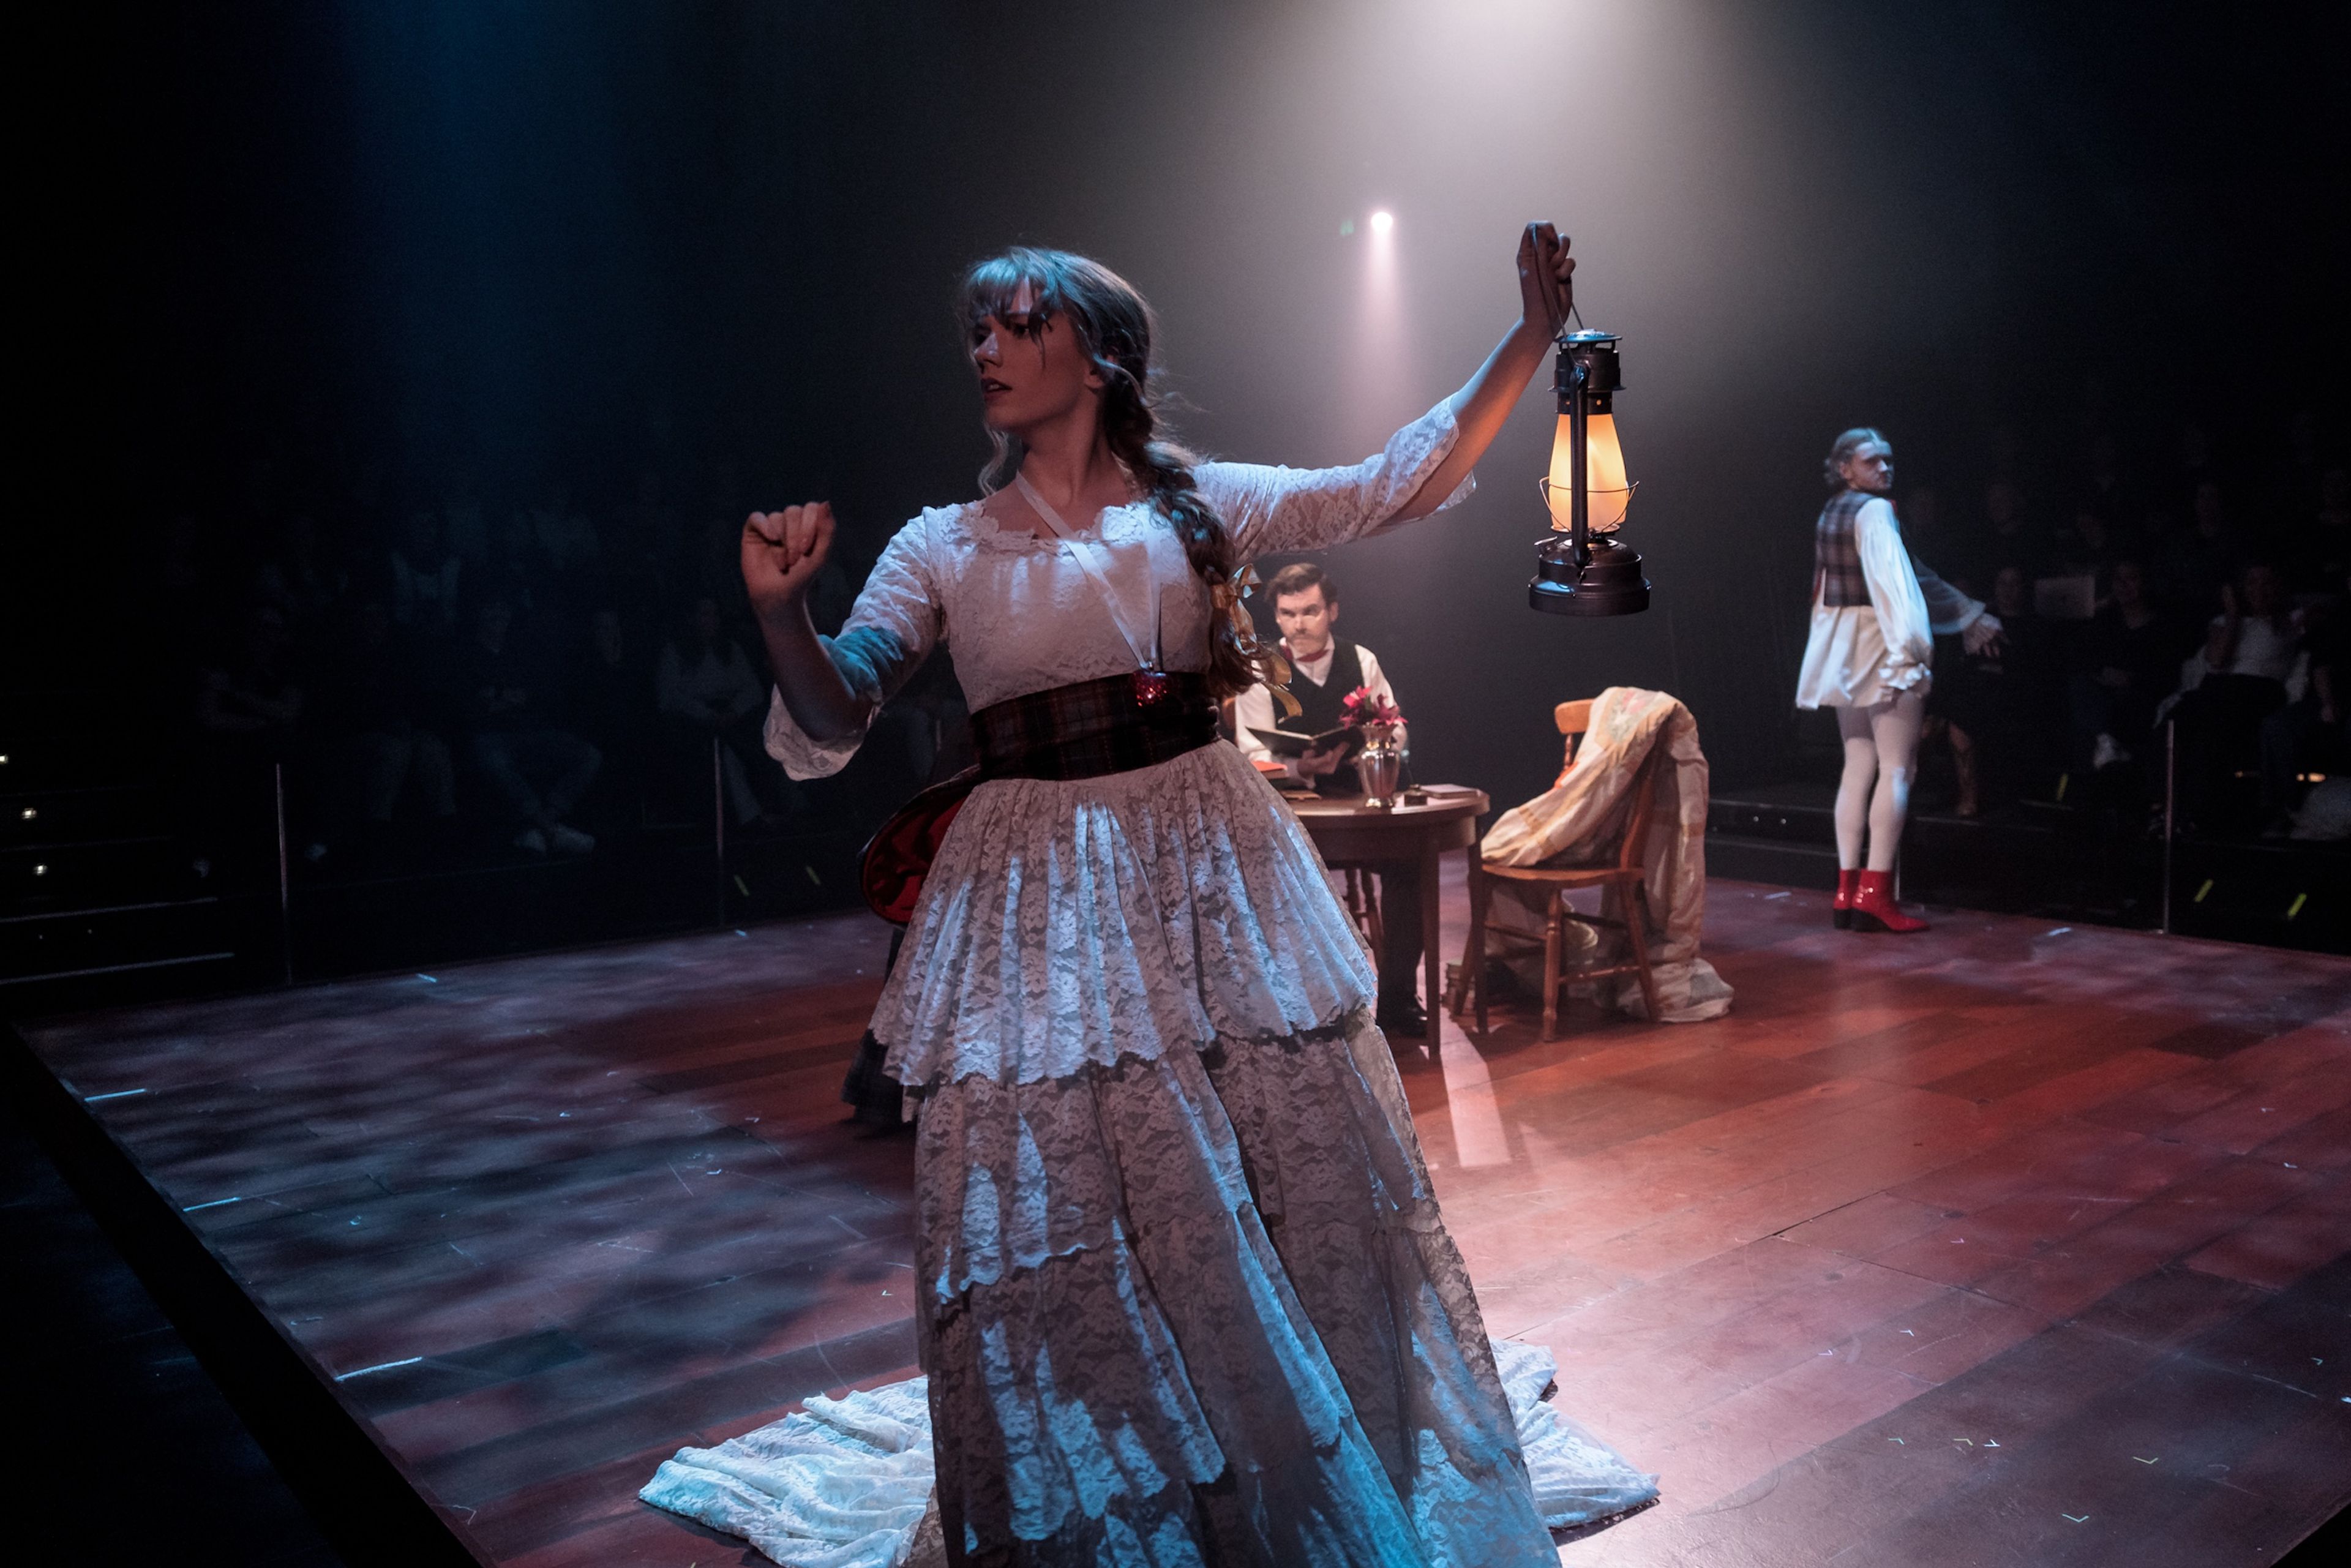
[1607, 582]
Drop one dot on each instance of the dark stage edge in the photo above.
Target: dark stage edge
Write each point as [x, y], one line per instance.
[361, 1496]
[2095, 863]
[114, 1376]
[605, 1201]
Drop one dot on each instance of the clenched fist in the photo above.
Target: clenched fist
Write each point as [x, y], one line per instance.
[782, 553]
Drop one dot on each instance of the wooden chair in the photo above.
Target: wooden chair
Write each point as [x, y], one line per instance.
[1364, 905]
[1624, 876]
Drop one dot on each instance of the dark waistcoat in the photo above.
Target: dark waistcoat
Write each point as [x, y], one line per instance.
[1320, 709]
[1319, 706]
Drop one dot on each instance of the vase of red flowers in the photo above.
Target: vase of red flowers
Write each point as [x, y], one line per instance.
[1380, 765]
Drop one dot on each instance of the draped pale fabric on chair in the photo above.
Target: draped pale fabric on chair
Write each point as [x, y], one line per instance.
[1638, 758]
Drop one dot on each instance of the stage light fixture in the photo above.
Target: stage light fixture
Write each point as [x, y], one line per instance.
[1382, 221]
[1589, 570]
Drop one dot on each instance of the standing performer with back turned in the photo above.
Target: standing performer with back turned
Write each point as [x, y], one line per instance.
[1870, 656]
[1182, 1290]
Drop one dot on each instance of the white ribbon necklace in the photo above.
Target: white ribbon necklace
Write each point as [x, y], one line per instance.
[1150, 681]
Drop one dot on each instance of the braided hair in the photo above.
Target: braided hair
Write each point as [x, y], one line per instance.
[1114, 326]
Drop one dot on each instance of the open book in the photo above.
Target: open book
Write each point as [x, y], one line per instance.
[1287, 743]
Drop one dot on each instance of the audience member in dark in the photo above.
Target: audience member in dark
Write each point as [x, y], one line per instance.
[462, 531]
[2322, 555]
[183, 586]
[1920, 513]
[567, 537]
[248, 702]
[2127, 661]
[248, 710]
[2196, 466]
[377, 710]
[516, 570]
[299, 580]
[709, 691]
[539, 770]
[424, 577]
[1994, 702]
[2104, 488]
[2310, 734]
[613, 707]
[2200, 562]
[2006, 537]
[2087, 545]
[2252, 651]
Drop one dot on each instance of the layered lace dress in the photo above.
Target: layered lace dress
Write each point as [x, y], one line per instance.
[1183, 1296]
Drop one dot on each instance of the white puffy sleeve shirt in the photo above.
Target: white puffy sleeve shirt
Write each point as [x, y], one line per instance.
[1859, 655]
[1022, 615]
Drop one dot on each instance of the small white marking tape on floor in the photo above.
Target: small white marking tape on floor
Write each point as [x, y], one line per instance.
[379, 1366]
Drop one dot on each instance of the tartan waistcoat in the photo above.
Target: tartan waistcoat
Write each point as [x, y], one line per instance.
[1836, 559]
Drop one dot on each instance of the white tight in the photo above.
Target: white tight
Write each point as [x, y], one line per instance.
[1881, 747]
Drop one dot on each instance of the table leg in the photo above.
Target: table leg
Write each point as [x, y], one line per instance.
[1431, 948]
[1473, 954]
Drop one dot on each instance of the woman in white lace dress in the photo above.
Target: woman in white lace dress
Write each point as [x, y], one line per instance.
[1183, 1294]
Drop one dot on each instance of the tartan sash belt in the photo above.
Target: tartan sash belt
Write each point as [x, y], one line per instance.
[1114, 725]
[1094, 727]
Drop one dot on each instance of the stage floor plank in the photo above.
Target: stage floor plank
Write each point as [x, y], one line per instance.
[2000, 1243]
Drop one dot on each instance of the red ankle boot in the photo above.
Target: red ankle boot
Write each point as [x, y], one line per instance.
[1874, 908]
[1848, 888]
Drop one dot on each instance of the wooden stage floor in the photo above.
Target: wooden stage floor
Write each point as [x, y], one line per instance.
[2000, 1244]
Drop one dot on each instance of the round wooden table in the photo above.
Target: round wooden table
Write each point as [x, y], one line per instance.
[1356, 837]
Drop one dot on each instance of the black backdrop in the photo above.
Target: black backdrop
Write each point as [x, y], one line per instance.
[523, 247]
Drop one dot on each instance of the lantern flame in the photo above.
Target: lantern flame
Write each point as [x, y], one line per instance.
[1612, 493]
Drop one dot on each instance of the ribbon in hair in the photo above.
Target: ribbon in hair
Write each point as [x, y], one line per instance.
[1272, 668]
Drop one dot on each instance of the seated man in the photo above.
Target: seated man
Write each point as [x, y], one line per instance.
[1306, 606]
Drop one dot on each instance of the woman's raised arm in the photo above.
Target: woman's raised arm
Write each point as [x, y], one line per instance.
[1546, 289]
[1424, 466]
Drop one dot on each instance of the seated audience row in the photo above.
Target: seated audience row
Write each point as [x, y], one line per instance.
[2252, 695]
[534, 731]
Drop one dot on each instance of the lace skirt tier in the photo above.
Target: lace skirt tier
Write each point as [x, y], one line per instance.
[1199, 1308]
[1066, 924]
[847, 1483]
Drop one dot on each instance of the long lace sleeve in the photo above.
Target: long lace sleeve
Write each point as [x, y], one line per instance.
[1273, 509]
[898, 619]
[1893, 595]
